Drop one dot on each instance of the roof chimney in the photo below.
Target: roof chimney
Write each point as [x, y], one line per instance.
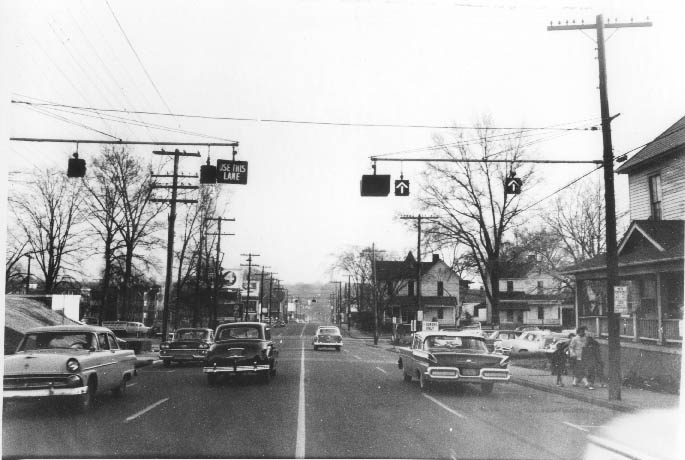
[436, 258]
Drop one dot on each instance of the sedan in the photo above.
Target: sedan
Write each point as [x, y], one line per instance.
[187, 344]
[243, 348]
[74, 362]
[529, 343]
[327, 336]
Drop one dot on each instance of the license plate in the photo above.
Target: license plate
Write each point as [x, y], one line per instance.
[470, 372]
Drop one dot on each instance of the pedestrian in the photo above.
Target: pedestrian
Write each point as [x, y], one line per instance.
[575, 352]
[593, 363]
[559, 361]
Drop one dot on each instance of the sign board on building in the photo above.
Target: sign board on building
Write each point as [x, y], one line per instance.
[431, 326]
[231, 172]
[621, 300]
[233, 278]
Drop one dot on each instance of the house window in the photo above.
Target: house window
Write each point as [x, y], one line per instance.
[510, 286]
[510, 316]
[440, 313]
[655, 196]
[440, 289]
[540, 288]
[410, 288]
[541, 313]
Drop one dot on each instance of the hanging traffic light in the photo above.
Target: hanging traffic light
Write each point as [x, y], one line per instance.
[76, 166]
[208, 174]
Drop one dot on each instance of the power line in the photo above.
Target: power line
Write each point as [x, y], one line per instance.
[307, 122]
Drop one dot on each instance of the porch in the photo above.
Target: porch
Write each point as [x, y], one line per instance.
[637, 329]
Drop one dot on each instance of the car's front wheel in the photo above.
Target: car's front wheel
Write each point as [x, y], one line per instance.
[315, 348]
[486, 388]
[266, 376]
[167, 363]
[337, 348]
[407, 377]
[84, 402]
[121, 389]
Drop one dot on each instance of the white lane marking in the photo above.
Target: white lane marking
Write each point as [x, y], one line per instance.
[357, 357]
[346, 351]
[302, 333]
[170, 371]
[381, 370]
[582, 427]
[448, 409]
[148, 408]
[129, 385]
[299, 444]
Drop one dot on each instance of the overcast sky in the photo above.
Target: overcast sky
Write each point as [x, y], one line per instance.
[348, 63]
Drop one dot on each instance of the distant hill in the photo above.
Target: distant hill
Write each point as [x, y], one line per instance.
[23, 313]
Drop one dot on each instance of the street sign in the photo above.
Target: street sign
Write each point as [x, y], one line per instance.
[512, 186]
[231, 172]
[621, 300]
[431, 326]
[375, 185]
[402, 187]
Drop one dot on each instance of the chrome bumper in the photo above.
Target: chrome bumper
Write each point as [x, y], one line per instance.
[452, 374]
[236, 369]
[327, 344]
[43, 392]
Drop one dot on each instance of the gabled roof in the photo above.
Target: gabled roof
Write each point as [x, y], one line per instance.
[645, 241]
[667, 142]
[400, 270]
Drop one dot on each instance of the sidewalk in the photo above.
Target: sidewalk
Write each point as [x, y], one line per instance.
[632, 399]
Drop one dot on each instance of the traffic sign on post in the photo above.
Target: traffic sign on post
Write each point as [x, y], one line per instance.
[231, 172]
[402, 187]
[375, 185]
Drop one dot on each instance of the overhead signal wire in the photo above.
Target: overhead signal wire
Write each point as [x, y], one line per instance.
[66, 120]
[324, 123]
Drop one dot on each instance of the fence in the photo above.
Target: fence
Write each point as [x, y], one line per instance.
[635, 328]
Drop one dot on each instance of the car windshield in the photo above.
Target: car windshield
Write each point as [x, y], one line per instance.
[446, 342]
[57, 340]
[239, 332]
[329, 331]
[191, 334]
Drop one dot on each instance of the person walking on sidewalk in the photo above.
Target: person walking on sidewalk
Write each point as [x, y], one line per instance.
[558, 361]
[575, 352]
[593, 363]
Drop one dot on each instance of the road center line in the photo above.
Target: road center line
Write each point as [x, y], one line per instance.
[299, 444]
[302, 333]
[148, 408]
[357, 357]
[381, 370]
[577, 427]
[448, 409]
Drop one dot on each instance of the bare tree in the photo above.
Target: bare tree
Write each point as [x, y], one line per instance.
[14, 251]
[138, 223]
[49, 216]
[470, 201]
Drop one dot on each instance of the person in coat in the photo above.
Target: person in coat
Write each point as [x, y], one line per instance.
[593, 363]
[558, 361]
[575, 353]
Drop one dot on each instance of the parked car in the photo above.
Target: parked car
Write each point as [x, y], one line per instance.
[327, 336]
[128, 328]
[521, 329]
[187, 344]
[452, 357]
[75, 362]
[496, 337]
[529, 343]
[243, 348]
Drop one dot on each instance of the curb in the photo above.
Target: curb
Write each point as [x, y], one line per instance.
[617, 406]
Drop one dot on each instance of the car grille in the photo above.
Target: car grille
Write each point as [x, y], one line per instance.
[19, 382]
[185, 353]
[465, 371]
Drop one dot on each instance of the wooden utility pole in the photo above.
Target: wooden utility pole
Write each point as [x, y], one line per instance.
[249, 273]
[419, 308]
[613, 318]
[172, 221]
[217, 266]
[261, 295]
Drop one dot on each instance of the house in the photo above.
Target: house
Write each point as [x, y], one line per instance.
[531, 295]
[439, 291]
[650, 253]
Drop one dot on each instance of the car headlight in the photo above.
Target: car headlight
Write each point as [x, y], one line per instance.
[73, 365]
[74, 381]
[204, 346]
[163, 346]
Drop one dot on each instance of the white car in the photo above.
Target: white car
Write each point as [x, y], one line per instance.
[529, 343]
[327, 336]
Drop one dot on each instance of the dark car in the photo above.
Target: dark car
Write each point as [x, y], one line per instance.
[187, 344]
[243, 348]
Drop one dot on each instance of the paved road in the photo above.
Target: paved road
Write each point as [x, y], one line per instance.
[321, 404]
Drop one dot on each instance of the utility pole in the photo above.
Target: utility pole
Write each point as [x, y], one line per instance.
[271, 285]
[172, 221]
[613, 318]
[249, 273]
[419, 309]
[261, 295]
[349, 301]
[336, 318]
[217, 266]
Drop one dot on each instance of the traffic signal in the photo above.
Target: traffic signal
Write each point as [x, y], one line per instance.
[76, 167]
[375, 185]
[208, 174]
